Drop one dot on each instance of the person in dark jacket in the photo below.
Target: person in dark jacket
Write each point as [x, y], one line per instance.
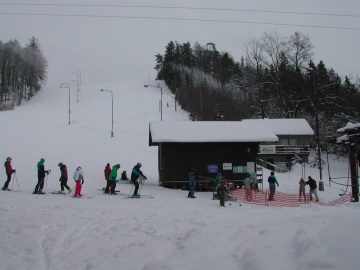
[113, 178]
[221, 191]
[63, 177]
[136, 173]
[313, 186]
[107, 171]
[41, 177]
[9, 171]
[192, 183]
[272, 182]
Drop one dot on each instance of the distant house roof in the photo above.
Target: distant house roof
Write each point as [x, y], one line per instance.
[209, 131]
[288, 126]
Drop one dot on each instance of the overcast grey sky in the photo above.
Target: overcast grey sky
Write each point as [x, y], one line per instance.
[122, 47]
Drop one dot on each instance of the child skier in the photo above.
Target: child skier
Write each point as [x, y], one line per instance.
[302, 189]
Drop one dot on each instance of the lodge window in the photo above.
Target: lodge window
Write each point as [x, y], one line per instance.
[286, 141]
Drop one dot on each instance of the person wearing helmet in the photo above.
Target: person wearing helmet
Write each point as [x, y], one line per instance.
[9, 172]
[112, 179]
[41, 177]
[135, 175]
[79, 180]
[63, 177]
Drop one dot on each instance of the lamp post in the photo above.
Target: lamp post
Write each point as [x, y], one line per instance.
[67, 85]
[316, 108]
[112, 110]
[77, 92]
[161, 93]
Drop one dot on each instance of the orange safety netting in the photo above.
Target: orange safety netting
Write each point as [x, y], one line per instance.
[284, 199]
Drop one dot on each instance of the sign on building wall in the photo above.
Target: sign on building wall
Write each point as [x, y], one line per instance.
[212, 168]
[251, 167]
[239, 169]
[227, 166]
[267, 149]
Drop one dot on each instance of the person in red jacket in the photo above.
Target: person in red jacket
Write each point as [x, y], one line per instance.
[107, 171]
[63, 177]
[9, 172]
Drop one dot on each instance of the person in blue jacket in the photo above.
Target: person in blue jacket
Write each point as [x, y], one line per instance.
[192, 183]
[136, 173]
[272, 185]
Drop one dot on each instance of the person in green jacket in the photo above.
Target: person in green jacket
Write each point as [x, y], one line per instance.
[112, 178]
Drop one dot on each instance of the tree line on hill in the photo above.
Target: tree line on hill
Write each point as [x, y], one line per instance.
[22, 72]
[275, 78]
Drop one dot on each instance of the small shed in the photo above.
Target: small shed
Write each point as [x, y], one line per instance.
[213, 146]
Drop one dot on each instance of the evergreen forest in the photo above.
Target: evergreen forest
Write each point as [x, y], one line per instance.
[22, 72]
[275, 78]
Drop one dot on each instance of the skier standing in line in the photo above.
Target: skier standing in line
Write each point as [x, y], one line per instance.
[79, 180]
[63, 177]
[9, 172]
[41, 177]
[107, 171]
[136, 173]
[112, 179]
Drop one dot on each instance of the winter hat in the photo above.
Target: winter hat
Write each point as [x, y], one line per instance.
[42, 160]
[309, 177]
[272, 173]
[60, 164]
[118, 165]
[108, 164]
[8, 159]
[79, 168]
[139, 164]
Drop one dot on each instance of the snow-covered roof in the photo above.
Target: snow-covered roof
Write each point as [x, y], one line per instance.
[210, 131]
[288, 126]
[349, 127]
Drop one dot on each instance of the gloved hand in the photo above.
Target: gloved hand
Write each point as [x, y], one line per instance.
[14, 171]
[145, 177]
[47, 172]
[278, 185]
[82, 181]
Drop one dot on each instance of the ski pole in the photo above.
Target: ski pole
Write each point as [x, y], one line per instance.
[131, 189]
[12, 187]
[17, 182]
[72, 190]
[142, 181]
[47, 176]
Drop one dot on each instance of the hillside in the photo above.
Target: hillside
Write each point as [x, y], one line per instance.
[168, 231]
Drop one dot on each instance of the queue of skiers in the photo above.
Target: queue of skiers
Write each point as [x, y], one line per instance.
[111, 176]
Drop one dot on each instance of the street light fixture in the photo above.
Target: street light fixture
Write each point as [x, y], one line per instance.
[112, 110]
[316, 103]
[67, 85]
[161, 92]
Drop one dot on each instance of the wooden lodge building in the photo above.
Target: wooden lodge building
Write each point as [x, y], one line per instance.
[210, 147]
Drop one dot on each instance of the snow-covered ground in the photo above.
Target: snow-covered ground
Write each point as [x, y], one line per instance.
[168, 231]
